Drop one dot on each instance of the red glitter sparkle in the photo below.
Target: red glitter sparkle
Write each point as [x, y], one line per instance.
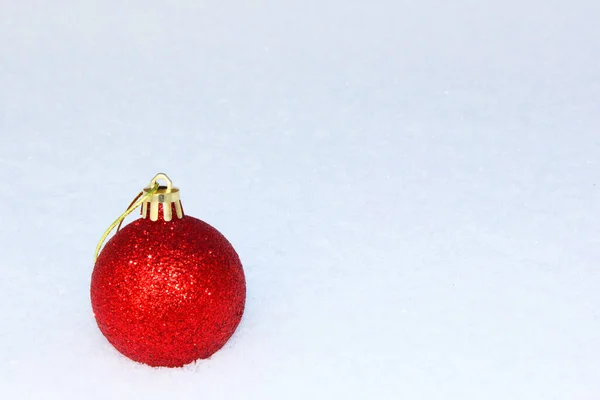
[168, 293]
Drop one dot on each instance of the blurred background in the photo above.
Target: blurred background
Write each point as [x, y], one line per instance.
[411, 187]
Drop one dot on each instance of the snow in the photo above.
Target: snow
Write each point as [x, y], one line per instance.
[411, 186]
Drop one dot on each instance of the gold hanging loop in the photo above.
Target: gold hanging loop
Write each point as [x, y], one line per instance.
[140, 198]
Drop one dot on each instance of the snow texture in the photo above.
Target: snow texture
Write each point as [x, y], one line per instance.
[413, 188]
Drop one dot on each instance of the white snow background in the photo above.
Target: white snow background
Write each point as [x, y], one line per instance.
[413, 188]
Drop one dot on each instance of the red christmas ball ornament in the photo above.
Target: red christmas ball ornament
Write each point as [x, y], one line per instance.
[168, 288]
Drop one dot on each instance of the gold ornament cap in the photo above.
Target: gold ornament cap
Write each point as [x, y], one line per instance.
[166, 195]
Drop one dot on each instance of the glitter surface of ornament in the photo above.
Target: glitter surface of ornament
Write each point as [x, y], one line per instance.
[168, 293]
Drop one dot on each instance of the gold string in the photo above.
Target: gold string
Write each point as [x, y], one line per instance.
[135, 204]
[130, 204]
